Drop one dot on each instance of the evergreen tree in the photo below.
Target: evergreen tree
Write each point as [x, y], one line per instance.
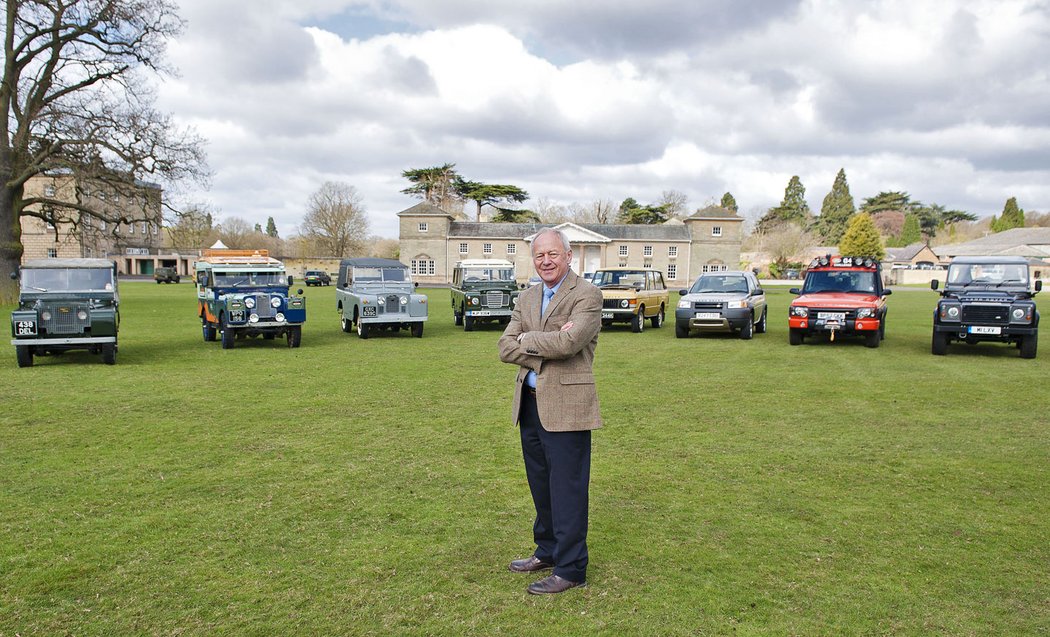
[729, 203]
[911, 232]
[490, 194]
[631, 212]
[1012, 217]
[889, 201]
[861, 239]
[792, 209]
[258, 228]
[835, 211]
[506, 215]
[271, 227]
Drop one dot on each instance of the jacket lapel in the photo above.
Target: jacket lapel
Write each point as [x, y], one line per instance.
[567, 285]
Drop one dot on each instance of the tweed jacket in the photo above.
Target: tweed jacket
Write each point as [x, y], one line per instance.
[563, 361]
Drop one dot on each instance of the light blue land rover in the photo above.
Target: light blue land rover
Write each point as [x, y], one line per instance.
[378, 294]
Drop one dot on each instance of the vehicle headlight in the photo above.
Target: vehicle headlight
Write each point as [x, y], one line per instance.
[1021, 314]
[279, 317]
[404, 300]
[475, 300]
[865, 312]
[45, 316]
[249, 302]
[950, 312]
[275, 301]
[684, 304]
[82, 315]
[624, 303]
[736, 305]
[798, 310]
[254, 318]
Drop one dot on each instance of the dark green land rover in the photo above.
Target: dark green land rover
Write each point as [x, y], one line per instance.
[66, 304]
[483, 290]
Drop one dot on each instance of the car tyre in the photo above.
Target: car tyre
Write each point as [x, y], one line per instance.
[468, 323]
[761, 327]
[638, 321]
[458, 316]
[872, 339]
[747, 330]
[295, 335]
[417, 330]
[940, 344]
[208, 331]
[795, 336]
[658, 320]
[228, 337]
[346, 324]
[109, 353]
[1029, 345]
[362, 329]
[681, 330]
[24, 353]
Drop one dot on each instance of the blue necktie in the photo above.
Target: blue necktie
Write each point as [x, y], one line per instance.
[530, 378]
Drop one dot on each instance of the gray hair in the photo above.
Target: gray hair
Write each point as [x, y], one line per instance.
[561, 235]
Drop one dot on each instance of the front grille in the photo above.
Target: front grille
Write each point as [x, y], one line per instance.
[263, 309]
[612, 304]
[64, 320]
[392, 305]
[707, 305]
[986, 313]
[495, 299]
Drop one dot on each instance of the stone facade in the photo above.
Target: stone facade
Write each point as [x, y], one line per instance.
[137, 247]
[432, 241]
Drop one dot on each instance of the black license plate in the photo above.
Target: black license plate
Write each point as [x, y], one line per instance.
[25, 328]
[368, 310]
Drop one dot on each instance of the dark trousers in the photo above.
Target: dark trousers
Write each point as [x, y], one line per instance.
[558, 467]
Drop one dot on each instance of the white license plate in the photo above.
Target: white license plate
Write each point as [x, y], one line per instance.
[832, 316]
[25, 328]
[707, 315]
[981, 329]
[480, 313]
[607, 315]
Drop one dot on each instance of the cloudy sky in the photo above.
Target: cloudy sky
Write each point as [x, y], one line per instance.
[578, 100]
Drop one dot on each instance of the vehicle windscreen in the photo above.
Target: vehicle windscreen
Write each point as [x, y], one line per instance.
[249, 279]
[67, 279]
[839, 281]
[370, 275]
[988, 274]
[719, 283]
[471, 275]
[604, 278]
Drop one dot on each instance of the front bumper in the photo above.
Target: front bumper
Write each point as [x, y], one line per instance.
[713, 321]
[965, 331]
[487, 313]
[847, 326]
[628, 314]
[51, 342]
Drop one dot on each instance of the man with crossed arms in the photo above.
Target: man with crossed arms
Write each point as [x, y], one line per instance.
[551, 337]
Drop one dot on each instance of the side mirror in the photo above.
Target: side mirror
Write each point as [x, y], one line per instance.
[933, 284]
[346, 285]
[299, 291]
[415, 284]
[758, 292]
[14, 276]
[794, 291]
[1038, 284]
[290, 281]
[887, 292]
[521, 286]
[683, 292]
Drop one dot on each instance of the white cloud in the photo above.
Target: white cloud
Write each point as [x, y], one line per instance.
[604, 100]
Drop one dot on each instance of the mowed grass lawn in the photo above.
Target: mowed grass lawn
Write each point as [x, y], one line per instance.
[355, 487]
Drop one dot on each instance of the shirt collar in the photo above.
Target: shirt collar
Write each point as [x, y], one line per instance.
[554, 288]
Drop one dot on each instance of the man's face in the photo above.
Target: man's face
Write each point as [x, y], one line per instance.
[550, 258]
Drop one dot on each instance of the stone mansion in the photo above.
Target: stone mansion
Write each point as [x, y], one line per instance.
[433, 240]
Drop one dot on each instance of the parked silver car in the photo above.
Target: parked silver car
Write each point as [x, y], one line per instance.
[729, 301]
[378, 294]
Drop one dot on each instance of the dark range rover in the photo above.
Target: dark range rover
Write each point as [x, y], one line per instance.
[987, 299]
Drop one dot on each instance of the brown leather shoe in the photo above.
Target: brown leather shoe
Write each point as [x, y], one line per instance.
[552, 584]
[530, 564]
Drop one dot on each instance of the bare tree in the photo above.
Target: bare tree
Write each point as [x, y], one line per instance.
[384, 248]
[550, 212]
[236, 233]
[597, 211]
[673, 202]
[75, 103]
[335, 220]
[786, 242]
[192, 229]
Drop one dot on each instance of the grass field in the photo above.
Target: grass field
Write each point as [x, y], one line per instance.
[357, 487]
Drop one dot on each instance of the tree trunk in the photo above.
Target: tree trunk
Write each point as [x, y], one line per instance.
[10, 239]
